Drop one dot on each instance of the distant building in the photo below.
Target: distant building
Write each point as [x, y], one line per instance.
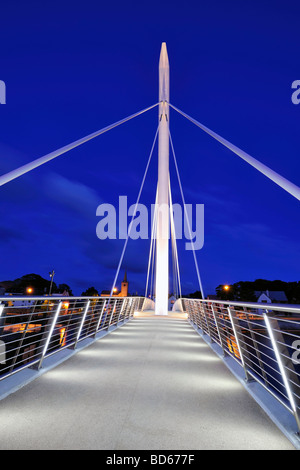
[122, 293]
[18, 303]
[172, 300]
[269, 297]
[64, 294]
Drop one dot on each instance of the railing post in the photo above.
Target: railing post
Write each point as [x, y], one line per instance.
[100, 317]
[238, 336]
[286, 367]
[256, 349]
[203, 304]
[85, 311]
[194, 314]
[2, 318]
[121, 310]
[111, 315]
[129, 308]
[23, 334]
[141, 301]
[134, 307]
[218, 327]
[199, 310]
[93, 304]
[2, 343]
[48, 334]
[189, 312]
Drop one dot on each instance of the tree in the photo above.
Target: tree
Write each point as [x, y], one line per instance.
[90, 292]
[226, 292]
[37, 283]
[244, 291]
[195, 295]
[64, 287]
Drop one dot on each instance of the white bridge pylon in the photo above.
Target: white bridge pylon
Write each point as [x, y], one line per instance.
[162, 227]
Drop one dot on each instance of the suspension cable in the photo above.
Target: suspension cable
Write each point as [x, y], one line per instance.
[153, 270]
[152, 243]
[133, 216]
[272, 175]
[6, 178]
[176, 272]
[187, 219]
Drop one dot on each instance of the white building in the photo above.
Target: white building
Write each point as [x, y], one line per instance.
[269, 297]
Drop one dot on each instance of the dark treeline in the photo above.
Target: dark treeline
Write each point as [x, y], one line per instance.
[245, 290]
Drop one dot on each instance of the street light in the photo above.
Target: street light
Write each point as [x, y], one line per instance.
[51, 276]
[29, 290]
[226, 287]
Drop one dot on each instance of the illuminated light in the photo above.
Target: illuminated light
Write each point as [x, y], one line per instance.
[29, 290]
[19, 327]
[115, 289]
[51, 330]
[62, 337]
[1, 308]
[66, 305]
[101, 315]
[280, 364]
[236, 337]
[233, 347]
[83, 318]
[226, 287]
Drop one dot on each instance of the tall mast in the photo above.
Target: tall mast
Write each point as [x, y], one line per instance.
[163, 221]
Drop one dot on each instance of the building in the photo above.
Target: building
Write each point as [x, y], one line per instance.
[116, 293]
[18, 303]
[124, 287]
[271, 297]
[171, 302]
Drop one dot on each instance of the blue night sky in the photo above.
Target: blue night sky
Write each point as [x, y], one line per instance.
[71, 68]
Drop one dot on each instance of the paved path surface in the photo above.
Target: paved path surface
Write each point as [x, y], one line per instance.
[152, 384]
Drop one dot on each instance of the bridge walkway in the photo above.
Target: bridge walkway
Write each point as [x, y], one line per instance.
[153, 384]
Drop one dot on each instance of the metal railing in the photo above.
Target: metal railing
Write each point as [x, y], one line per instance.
[263, 338]
[33, 328]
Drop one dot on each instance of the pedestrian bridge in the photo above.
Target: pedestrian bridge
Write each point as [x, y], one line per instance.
[210, 375]
[120, 377]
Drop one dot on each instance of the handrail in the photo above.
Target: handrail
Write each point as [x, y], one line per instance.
[263, 338]
[35, 327]
[277, 307]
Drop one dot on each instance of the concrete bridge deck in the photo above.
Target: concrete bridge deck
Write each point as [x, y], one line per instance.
[153, 384]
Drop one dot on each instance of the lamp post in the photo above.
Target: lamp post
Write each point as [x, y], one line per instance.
[51, 283]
